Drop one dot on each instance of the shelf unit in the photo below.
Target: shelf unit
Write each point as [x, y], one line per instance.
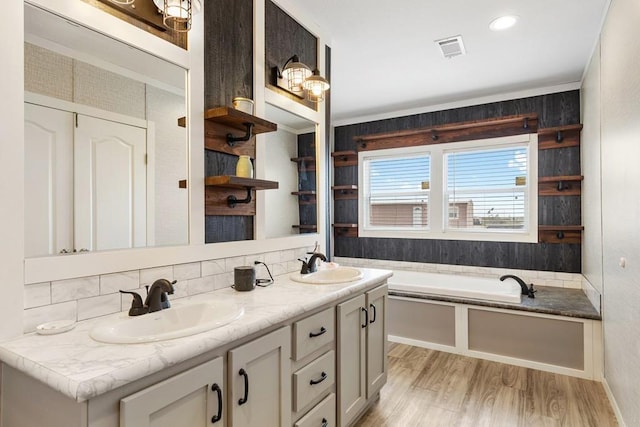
[306, 228]
[344, 158]
[345, 192]
[305, 197]
[560, 234]
[305, 164]
[345, 230]
[231, 131]
[560, 185]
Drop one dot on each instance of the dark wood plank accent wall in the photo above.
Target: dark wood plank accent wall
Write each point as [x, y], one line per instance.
[228, 73]
[285, 37]
[553, 110]
[307, 182]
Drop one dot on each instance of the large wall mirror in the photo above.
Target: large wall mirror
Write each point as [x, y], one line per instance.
[105, 156]
[291, 160]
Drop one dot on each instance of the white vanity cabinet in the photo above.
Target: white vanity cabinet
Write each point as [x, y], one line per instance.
[362, 358]
[193, 398]
[259, 376]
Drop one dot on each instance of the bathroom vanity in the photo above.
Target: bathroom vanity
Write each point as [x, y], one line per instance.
[301, 355]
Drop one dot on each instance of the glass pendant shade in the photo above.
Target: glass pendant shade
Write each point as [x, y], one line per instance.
[296, 73]
[176, 14]
[316, 86]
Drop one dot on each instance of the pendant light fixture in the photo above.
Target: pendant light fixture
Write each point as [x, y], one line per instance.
[176, 14]
[296, 73]
[315, 86]
[122, 2]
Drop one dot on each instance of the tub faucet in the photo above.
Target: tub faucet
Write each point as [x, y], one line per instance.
[310, 266]
[529, 291]
[157, 295]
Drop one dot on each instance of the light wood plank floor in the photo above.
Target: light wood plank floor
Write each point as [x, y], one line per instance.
[432, 388]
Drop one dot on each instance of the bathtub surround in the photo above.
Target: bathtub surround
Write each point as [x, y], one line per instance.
[95, 296]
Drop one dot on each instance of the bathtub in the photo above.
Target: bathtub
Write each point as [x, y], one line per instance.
[489, 289]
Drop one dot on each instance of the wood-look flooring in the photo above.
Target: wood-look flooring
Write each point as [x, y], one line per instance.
[433, 388]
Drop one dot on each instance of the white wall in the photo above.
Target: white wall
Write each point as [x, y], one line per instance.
[619, 111]
[590, 161]
[282, 207]
[11, 170]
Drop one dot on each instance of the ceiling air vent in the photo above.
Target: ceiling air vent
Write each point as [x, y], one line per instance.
[451, 46]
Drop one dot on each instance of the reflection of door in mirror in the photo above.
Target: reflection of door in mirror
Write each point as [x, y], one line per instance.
[71, 68]
[105, 190]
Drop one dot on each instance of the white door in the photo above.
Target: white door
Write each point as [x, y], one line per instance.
[110, 185]
[48, 136]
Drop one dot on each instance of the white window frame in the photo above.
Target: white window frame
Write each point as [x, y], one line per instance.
[437, 211]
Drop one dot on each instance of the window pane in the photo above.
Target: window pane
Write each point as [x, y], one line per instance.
[399, 191]
[486, 189]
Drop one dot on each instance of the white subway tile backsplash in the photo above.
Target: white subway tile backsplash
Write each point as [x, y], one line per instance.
[231, 263]
[37, 294]
[126, 280]
[73, 289]
[150, 275]
[89, 297]
[98, 306]
[186, 271]
[212, 267]
[201, 285]
[36, 316]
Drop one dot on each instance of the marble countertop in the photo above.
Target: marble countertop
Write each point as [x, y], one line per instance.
[548, 300]
[81, 368]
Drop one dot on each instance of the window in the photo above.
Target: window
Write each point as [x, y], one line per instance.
[471, 190]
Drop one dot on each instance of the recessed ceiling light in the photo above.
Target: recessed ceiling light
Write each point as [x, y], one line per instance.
[503, 23]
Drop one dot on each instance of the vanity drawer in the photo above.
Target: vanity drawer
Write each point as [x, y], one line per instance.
[323, 414]
[313, 332]
[313, 380]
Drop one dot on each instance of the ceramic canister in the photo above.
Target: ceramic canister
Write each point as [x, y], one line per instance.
[244, 278]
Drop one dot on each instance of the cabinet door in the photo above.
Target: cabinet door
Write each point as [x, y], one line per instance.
[352, 325]
[376, 340]
[260, 381]
[193, 398]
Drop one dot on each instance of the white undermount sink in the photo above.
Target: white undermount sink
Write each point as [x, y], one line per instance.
[329, 276]
[175, 322]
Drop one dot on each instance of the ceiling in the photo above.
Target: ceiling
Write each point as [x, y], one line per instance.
[384, 58]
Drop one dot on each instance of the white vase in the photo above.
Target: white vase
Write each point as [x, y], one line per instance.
[244, 168]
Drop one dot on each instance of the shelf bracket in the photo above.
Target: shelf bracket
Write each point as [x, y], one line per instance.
[232, 200]
[559, 137]
[231, 140]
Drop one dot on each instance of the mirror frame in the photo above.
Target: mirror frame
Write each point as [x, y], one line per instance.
[44, 269]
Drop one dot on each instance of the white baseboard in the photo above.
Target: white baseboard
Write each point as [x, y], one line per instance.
[614, 404]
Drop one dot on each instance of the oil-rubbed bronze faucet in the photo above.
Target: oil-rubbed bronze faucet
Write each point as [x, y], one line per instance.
[310, 266]
[156, 298]
[530, 292]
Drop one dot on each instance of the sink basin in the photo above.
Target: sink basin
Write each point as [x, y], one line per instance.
[329, 276]
[174, 322]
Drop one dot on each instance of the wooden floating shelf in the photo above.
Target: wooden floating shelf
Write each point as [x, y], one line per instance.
[237, 199]
[232, 131]
[345, 192]
[237, 119]
[305, 164]
[305, 197]
[345, 158]
[559, 137]
[232, 181]
[569, 185]
[345, 230]
[306, 228]
[570, 234]
[465, 131]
